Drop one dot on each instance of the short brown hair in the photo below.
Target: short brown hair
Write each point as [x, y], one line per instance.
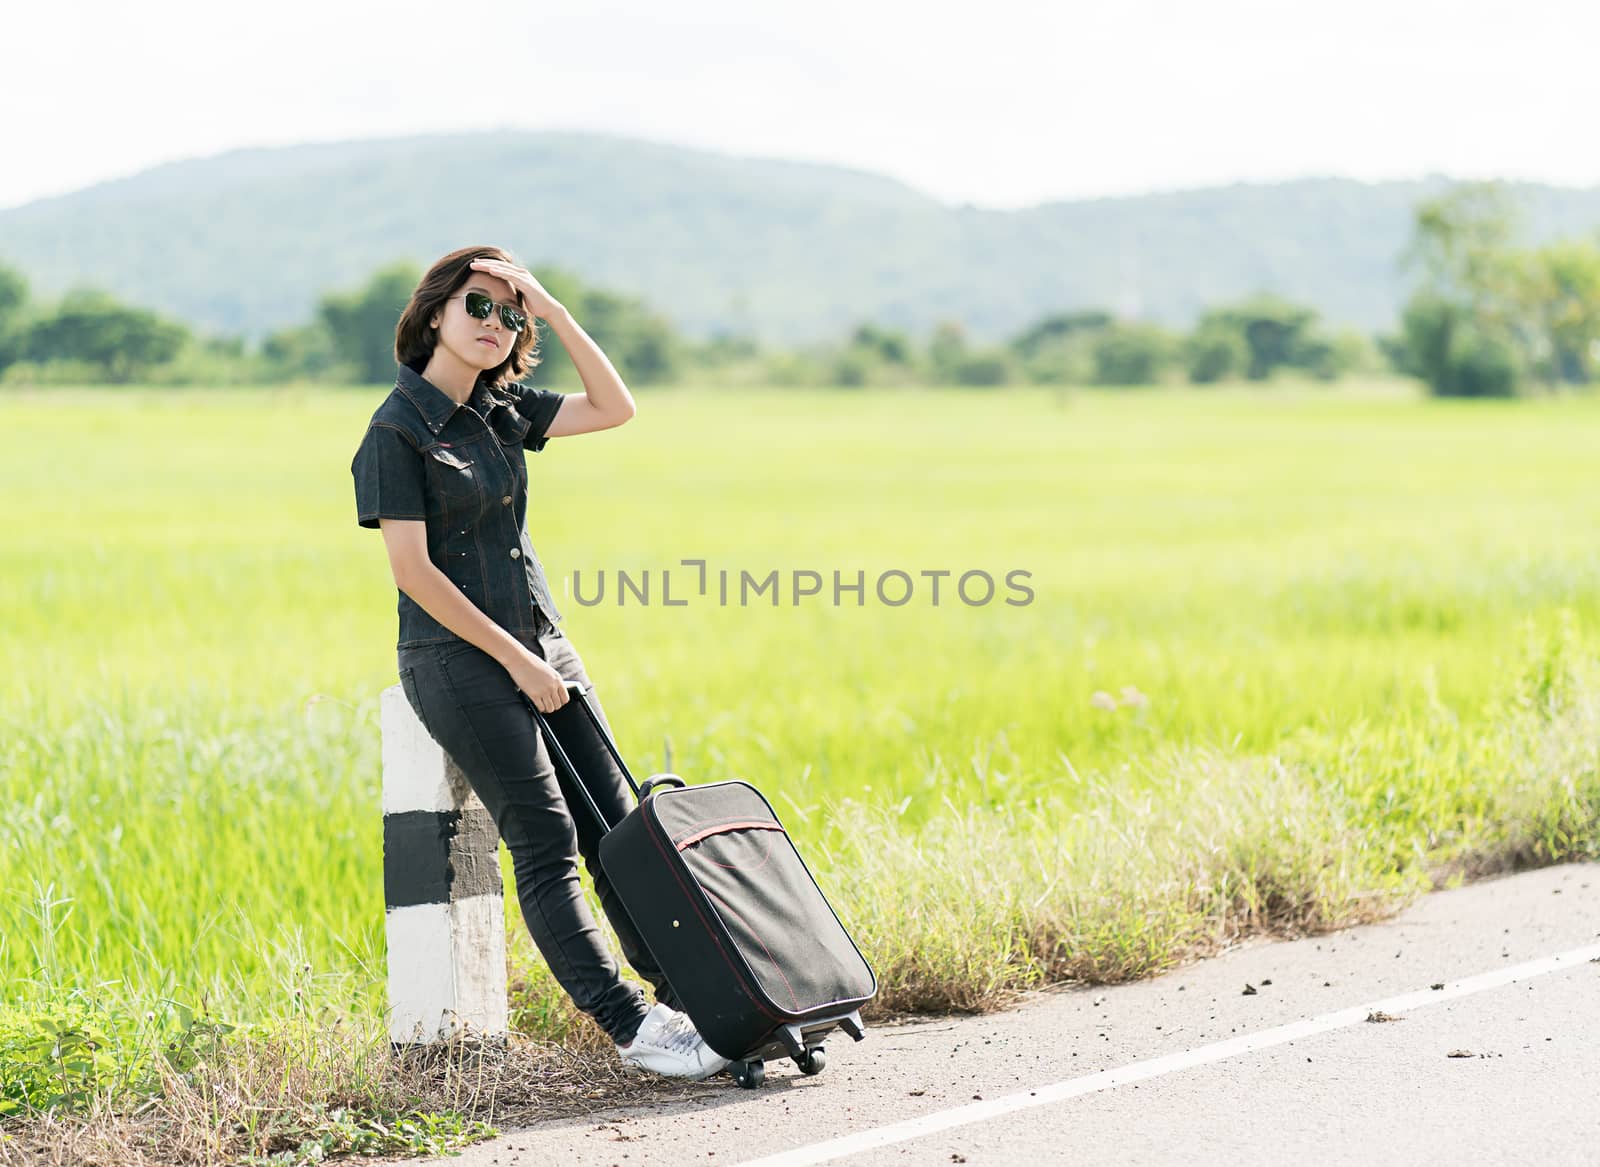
[414, 341]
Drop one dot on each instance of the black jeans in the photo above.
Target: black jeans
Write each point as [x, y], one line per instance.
[468, 704]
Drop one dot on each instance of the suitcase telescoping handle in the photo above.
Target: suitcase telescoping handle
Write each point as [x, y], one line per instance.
[580, 694]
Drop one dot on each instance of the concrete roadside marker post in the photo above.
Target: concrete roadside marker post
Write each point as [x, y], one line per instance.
[444, 908]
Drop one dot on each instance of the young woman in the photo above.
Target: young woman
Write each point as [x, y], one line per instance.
[442, 472]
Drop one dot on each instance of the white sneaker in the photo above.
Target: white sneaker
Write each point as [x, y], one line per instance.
[668, 1043]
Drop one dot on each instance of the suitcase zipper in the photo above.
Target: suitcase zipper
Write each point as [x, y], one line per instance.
[742, 825]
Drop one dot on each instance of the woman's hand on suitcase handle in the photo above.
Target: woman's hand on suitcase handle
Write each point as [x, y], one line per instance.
[545, 687]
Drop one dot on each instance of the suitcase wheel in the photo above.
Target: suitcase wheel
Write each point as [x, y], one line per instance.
[749, 1074]
[812, 1061]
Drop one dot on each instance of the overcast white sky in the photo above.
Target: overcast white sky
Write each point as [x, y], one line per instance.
[1000, 102]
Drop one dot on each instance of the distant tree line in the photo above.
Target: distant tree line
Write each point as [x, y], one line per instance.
[1488, 318]
[1253, 340]
[88, 336]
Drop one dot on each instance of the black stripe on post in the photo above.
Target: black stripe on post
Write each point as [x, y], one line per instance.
[437, 856]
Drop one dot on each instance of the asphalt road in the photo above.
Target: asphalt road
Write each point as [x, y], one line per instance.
[1190, 1068]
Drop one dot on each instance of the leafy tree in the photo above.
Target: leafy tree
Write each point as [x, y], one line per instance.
[1562, 289]
[853, 368]
[1468, 331]
[873, 355]
[1276, 333]
[1346, 351]
[1462, 245]
[1486, 312]
[91, 326]
[952, 362]
[1316, 357]
[362, 323]
[947, 349]
[985, 368]
[13, 293]
[1453, 352]
[1059, 349]
[1058, 327]
[13, 298]
[308, 350]
[1131, 354]
[886, 344]
[1215, 352]
[1065, 362]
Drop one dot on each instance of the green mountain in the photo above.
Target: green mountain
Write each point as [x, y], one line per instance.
[244, 242]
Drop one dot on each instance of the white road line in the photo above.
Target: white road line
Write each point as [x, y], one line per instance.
[944, 1120]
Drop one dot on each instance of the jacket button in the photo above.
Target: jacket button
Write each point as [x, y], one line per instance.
[506, 500]
[516, 553]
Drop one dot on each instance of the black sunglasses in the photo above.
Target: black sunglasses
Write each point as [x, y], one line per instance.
[478, 307]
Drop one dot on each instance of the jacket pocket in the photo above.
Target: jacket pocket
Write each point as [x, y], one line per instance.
[453, 477]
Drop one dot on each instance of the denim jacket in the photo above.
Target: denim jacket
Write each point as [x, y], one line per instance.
[461, 468]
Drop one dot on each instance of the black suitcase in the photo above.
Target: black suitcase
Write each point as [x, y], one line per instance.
[754, 952]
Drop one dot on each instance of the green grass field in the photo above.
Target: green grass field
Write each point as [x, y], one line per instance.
[1347, 636]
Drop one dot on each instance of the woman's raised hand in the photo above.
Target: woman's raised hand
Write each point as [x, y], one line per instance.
[535, 299]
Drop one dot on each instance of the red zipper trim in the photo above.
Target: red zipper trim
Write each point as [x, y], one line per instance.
[723, 828]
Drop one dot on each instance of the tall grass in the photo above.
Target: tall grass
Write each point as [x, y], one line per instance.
[1123, 879]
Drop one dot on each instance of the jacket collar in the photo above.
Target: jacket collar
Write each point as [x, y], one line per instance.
[436, 406]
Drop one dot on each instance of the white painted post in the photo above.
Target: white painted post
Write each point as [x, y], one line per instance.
[445, 913]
